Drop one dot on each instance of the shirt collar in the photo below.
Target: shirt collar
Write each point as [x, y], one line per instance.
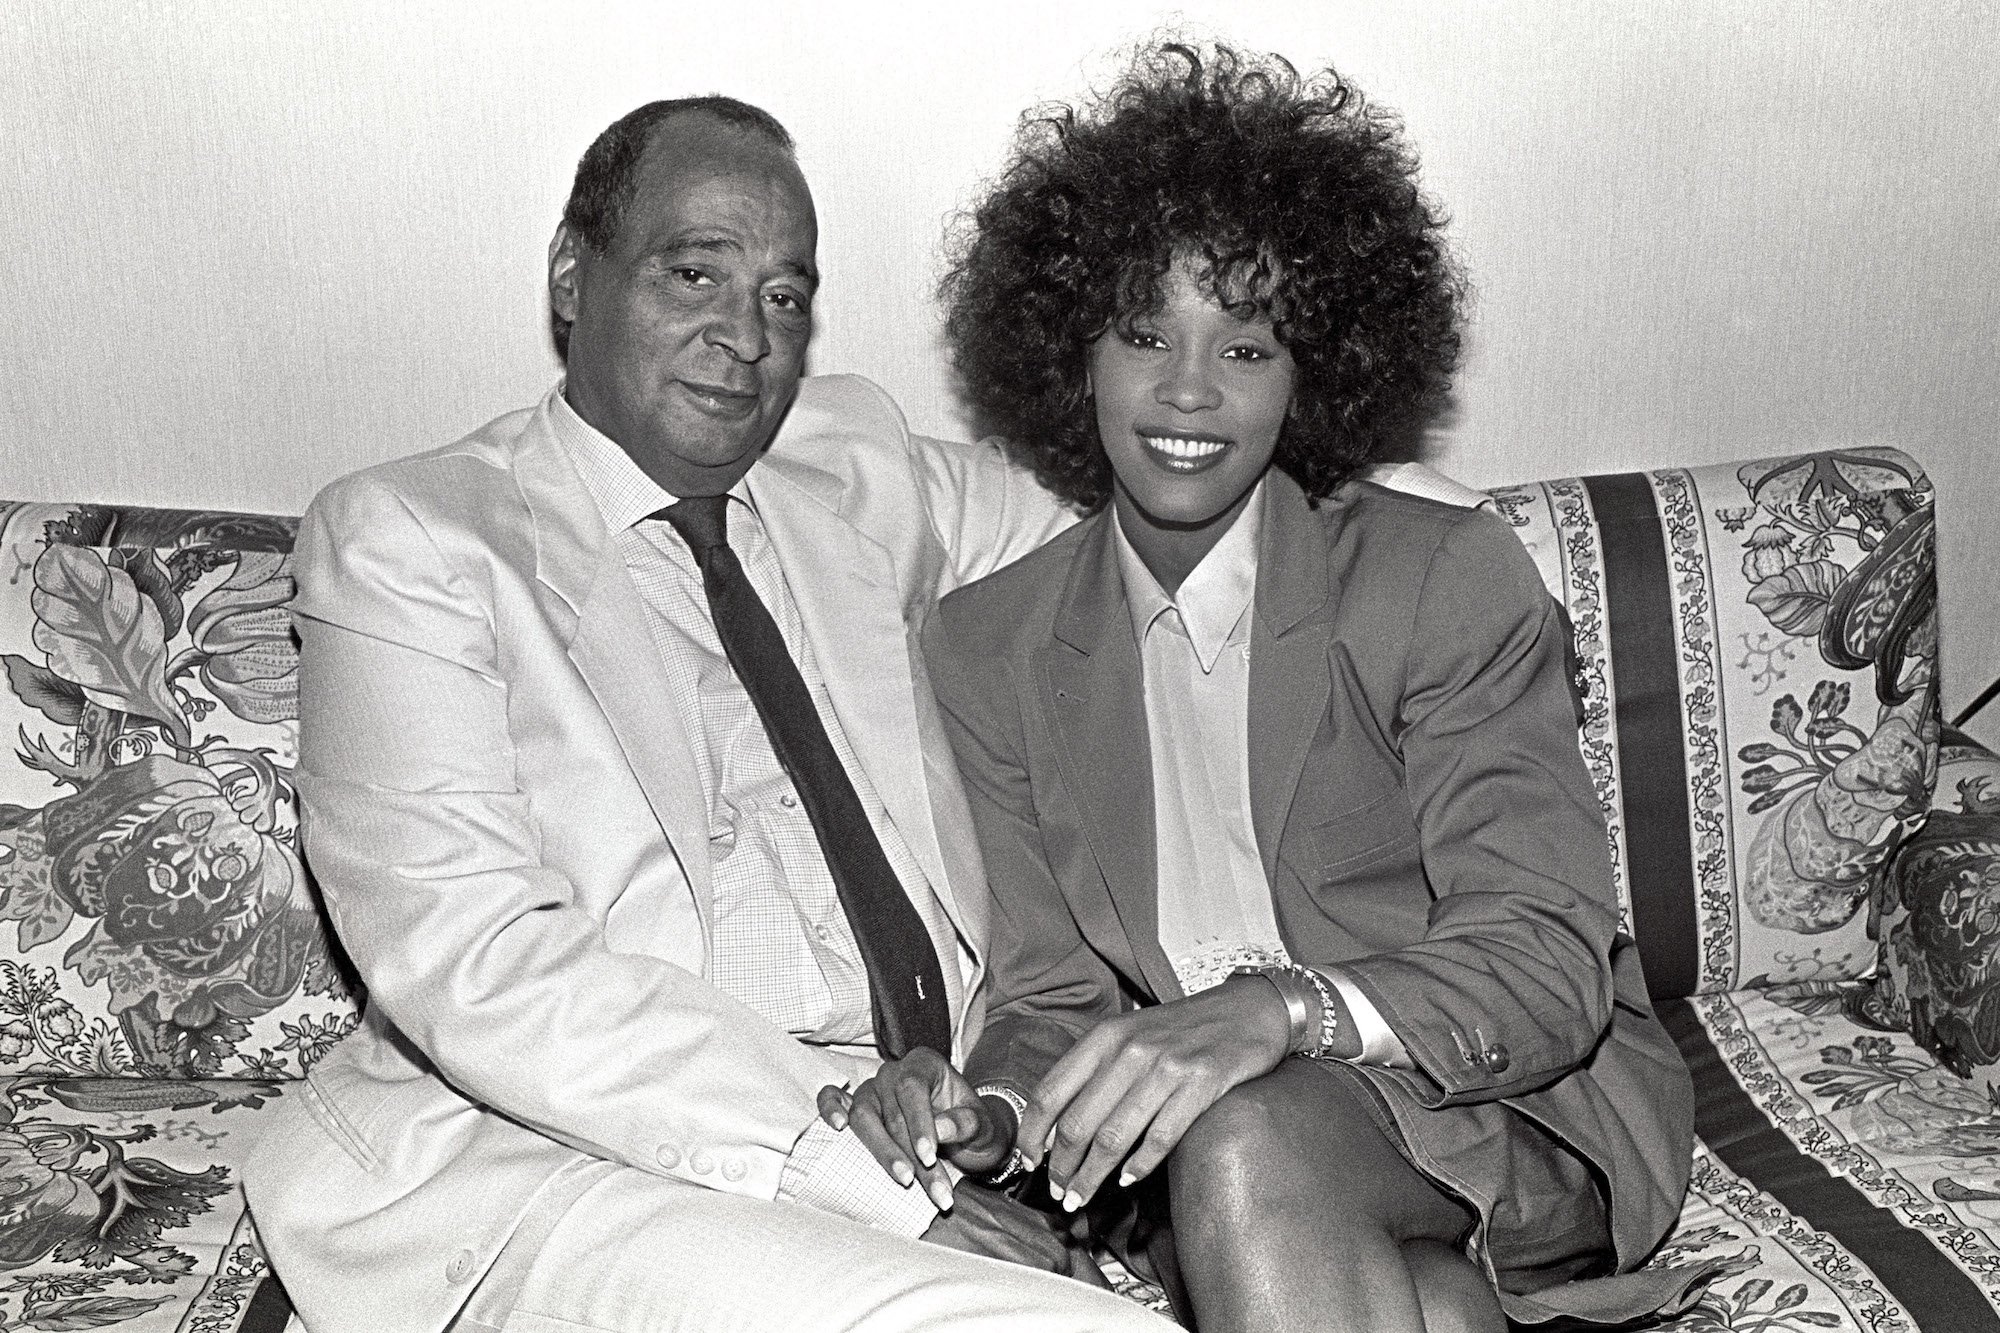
[619, 487]
[1212, 599]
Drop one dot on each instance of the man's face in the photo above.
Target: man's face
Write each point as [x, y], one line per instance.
[688, 334]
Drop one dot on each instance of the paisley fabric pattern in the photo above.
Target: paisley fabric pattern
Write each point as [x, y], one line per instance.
[156, 917]
[1940, 921]
[1755, 648]
[119, 1206]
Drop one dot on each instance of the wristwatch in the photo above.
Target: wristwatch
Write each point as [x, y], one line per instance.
[1017, 1164]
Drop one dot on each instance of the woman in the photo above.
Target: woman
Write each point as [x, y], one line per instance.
[1300, 887]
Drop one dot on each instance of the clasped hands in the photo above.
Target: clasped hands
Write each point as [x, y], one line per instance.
[1119, 1100]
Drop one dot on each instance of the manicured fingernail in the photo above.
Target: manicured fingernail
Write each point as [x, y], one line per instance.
[1072, 1201]
[1125, 1179]
[941, 1195]
[903, 1174]
[1055, 1190]
[927, 1152]
[838, 1120]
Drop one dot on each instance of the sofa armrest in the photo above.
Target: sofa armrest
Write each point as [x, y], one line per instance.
[1937, 910]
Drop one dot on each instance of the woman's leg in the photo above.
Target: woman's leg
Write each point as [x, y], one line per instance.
[1292, 1209]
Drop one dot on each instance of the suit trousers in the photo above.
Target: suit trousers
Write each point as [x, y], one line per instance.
[624, 1251]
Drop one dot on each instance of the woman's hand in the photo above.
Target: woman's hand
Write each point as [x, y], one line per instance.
[1131, 1087]
[916, 1109]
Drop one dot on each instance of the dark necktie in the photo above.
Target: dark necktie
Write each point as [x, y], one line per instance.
[904, 981]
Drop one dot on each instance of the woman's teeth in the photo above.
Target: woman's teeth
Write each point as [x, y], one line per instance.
[1184, 455]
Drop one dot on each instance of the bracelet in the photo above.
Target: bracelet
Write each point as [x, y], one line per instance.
[1329, 1017]
[1298, 1009]
[1299, 986]
[1016, 1164]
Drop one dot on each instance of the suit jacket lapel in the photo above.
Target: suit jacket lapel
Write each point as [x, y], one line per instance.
[1290, 670]
[610, 646]
[844, 586]
[1093, 693]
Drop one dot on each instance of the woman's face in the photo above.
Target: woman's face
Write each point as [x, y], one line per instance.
[1189, 404]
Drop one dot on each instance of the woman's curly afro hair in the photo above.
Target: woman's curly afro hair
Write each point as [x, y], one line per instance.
[1293, 198]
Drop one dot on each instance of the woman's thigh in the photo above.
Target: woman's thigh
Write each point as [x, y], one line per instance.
[1308, 1138]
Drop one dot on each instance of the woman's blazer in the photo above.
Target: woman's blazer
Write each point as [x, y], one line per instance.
[1420, 804]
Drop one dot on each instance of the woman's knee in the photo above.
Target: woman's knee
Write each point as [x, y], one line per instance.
[1303, 1132]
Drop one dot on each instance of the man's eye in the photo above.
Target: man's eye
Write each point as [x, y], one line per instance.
[787, 300]
[693, 277]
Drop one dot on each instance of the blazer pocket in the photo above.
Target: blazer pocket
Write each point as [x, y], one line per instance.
[1361, 837]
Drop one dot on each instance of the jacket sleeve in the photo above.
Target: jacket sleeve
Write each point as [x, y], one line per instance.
[985, 510]
[1048, 987]
[429, 852]
[1511, 985]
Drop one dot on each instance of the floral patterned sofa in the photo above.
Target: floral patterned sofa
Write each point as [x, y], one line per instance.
[1811, 865]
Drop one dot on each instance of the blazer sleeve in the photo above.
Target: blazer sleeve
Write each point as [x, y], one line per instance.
[1511, 985]
[1048, 987]
[985, 510]
[479, 951]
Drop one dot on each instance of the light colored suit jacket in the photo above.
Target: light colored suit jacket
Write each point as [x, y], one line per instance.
[1422, 812]
[502, 811]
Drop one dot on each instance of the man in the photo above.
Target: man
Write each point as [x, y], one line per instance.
[620, 768]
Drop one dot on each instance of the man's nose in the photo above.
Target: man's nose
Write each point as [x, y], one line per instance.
[738, 329]
[1188, 385]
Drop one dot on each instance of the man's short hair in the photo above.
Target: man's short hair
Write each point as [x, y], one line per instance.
[607, 174]
[606, 177]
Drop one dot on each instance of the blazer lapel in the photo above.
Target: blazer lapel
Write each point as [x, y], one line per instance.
[1093, 693]
[1290, 671]
[610, 646]
[844, 586]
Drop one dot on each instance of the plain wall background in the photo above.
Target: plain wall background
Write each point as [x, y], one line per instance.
[253, 245]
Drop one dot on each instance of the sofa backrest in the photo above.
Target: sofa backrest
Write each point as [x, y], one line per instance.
[162, 923]
[1756, 645]
[1757, 650]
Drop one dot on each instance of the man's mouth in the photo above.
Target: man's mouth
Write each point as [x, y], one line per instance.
[718, 401]
[1184, 454]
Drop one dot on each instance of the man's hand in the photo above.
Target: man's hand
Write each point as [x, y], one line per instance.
[1131, 1087]
[917, 1108]
[990, 1223]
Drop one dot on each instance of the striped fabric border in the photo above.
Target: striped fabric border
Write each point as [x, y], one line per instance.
[1935, 1291]
[1582, 556]
[1704, 723]
[270, 1309]
[1646, 702]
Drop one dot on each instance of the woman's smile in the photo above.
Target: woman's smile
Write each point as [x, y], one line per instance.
[1183, 454]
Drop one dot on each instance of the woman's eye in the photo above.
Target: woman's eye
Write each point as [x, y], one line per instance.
[1140, 338]
[1247, 354]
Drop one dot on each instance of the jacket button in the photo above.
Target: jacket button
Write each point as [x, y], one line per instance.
[701, 1161]
[460, 1267]
[733, 1169]
[1495, 1058]
[669, 1155]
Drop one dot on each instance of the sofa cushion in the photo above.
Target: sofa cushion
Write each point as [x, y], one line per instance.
[1756, 651]
[162, 923]
[1842, 1178]
[120, 1207]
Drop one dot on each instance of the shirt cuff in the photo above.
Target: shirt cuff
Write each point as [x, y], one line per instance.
[831, 1170]
[1379, 1045]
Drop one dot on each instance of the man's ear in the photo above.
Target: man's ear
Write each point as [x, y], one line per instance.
[564, 254]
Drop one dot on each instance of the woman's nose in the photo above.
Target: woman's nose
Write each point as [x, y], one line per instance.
[1188, 386]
